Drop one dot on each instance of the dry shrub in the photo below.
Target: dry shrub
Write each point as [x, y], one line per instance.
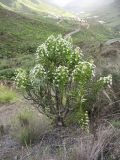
[105, 146]
[28, 126]
[102, 147]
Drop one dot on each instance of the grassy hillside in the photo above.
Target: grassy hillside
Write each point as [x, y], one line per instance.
[111, 15]
[19, 38]
[97, 33]
[20, 34]
[33, 7]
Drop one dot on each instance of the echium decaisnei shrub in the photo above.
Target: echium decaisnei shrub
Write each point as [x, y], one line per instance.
[60, 81]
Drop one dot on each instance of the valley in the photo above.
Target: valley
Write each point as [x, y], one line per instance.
[59, 102]
[21, 34]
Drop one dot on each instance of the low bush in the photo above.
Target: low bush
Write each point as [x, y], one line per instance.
[29, 127]
[94, 148]
[7, 73]
[7, 95]
[103, 146]
[62, 81]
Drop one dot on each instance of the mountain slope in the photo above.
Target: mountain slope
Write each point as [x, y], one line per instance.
[19, 38]
[21, 35]
[20, 31]
[83, 5]
[33, 6]
[111, 15]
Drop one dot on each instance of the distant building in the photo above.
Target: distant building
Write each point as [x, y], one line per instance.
[101, 22]
[84, 23]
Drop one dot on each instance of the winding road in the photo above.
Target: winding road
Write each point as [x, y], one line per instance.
[72, 33]
[112, 41]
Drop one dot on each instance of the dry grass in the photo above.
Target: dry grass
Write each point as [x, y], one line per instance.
[29, 127]
[87, 147]
[93, 148]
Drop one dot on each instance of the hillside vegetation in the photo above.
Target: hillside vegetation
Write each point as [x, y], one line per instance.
[20, 36]
[111, 15]
[59, 95]
[97, 33]
[20, 32]
[33, 7]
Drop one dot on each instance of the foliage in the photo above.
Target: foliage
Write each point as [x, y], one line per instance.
[9, 65]
[61, 80]
[21, 34]
[7, 74]
[7, 95]
[116, 123]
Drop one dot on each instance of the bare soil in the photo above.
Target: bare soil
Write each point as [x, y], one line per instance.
[10, 149]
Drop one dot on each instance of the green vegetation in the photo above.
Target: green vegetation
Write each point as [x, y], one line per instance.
[96, 33]
[61, 82]
[34, 7]
[7, 95]
[116, 123]
[19, 37]
[111, 15]
[75, 119]
[8, 65]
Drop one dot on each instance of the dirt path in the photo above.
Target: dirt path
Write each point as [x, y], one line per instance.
[10, 149]
[112, 41]
[59, 21]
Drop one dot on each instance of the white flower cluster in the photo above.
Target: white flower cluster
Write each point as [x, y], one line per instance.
[60, 49]
[36, 73]
[59, 45]
[41, 51]
[20, 78]
[50, 39]
[76, 56]
[85, 121]
[79, 52]
[83, 69]
[61, 76]
[106, 80]
[61, 41]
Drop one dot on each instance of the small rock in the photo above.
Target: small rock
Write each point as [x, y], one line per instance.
[16, 157]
